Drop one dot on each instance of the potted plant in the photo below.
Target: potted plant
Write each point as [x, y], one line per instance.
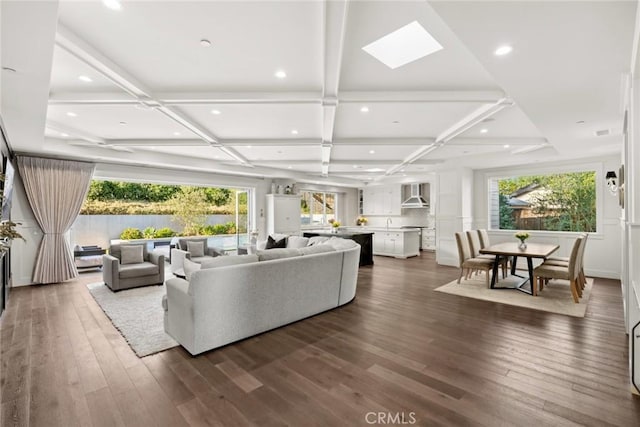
[361, 220]
[335, 224]
[7, 234]
[522, 236]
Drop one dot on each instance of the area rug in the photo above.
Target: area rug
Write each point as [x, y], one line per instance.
[555, 298]
[137, 314]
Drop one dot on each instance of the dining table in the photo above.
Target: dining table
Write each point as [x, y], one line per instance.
[515, 250]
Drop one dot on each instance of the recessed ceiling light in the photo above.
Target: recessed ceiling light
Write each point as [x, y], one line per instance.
[364, 109]
[488, 119]
[404, 174]
[503, 50]
[401, 170]
[205, 43]
[11, 70]
[372, 152]
[85, 79]
[506, 145]
[71, 114]
[217, 157]
[112, 4]
[403, 46]
[374, 170]
[176, 133]
[279, 151]
[580, 122]
[216, 112]
[248, 146]
[484, 130]
[356, 166]
[64, 135]
[294, 132]
[280, 74]
[123, 123]
[395, 122]
[289, 167]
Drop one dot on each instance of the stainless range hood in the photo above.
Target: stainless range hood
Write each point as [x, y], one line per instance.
[416, 200]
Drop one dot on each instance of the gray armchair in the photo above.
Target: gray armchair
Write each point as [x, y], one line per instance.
[182, 252]
[131, 266]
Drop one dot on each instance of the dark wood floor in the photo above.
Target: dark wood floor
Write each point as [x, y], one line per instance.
[399, 349]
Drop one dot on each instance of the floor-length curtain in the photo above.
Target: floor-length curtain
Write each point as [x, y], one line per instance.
[56, 190]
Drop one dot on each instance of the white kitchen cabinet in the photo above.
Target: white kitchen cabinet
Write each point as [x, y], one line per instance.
[283, 214]
[382, 200]
[429, 239]
[396, 243]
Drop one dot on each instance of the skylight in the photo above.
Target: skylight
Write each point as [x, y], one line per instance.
[403, 46]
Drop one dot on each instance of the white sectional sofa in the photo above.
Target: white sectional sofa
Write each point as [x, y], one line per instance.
[272, 288]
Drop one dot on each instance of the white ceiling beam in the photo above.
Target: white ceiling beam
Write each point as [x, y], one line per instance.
[488, 141]
[299, 142]
[189, 124]
[382, 141]
[335, 20]
[362, 164]
[473, 119]
[204, 98]
[462, 125]
[158, 142]
[293, 97]
[468, 96]
[74, 133]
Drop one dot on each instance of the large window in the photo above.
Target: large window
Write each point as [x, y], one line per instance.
[553, 202]
[317, 208]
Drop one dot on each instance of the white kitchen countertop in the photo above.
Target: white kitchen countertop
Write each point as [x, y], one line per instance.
[385, 229]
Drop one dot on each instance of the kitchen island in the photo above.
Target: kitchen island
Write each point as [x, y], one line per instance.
[396, 242]
[363, 238]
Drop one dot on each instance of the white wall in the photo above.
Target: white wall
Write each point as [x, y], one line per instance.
[603, 251]
[453, 212]
[23, 254]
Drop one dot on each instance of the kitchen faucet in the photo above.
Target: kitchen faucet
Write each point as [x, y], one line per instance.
[389, 222]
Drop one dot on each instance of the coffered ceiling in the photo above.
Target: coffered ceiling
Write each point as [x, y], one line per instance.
[152, 93]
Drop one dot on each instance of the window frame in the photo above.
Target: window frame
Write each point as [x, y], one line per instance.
[324, 222]
[596, 167]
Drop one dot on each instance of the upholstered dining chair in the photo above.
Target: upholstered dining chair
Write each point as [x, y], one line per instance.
[469, 263]
[570, 272]
[564, 261]
[475, 244]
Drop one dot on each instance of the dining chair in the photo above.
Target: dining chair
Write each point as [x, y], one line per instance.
[570, 272]
[479, 239]
[564, 261]
[469, 263]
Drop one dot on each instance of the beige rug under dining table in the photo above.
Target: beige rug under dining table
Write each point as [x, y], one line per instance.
[513, 249]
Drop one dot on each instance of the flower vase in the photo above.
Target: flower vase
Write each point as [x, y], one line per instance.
[523, 244]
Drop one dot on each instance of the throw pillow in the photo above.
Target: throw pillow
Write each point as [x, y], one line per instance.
[189, 267]
[131, 254]
[316, 249]
[271, 254]
[224, 261]
[196, 249]
[273, 244]
[297, 242]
